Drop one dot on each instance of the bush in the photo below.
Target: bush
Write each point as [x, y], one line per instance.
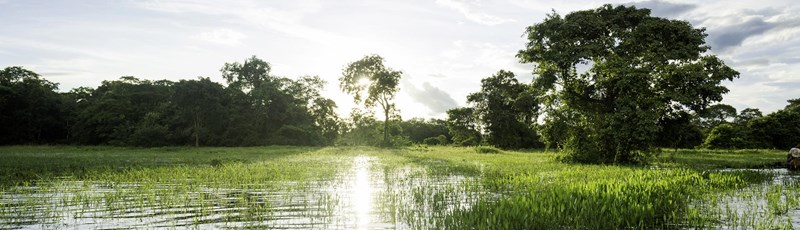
[487, 149]
[438, 140]
[399, 141]
[431, 141]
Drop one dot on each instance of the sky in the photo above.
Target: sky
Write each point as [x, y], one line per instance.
[443, 47]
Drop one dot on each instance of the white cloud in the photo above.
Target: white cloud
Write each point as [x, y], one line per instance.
[178, 39]
[435, 99]
[223, 36]
[468, 9]
[287, 20]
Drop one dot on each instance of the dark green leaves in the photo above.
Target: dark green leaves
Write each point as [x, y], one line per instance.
[618, 71]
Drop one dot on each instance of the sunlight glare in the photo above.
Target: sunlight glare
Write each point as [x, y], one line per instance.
[363, 81]
[362, 193]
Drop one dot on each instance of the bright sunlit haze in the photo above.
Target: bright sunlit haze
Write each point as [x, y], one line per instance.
[443, 47]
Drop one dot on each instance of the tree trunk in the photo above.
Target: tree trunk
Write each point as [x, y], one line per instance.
[196, 130]
[386, 127]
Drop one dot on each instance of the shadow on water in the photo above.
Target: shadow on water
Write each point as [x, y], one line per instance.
[367, 196]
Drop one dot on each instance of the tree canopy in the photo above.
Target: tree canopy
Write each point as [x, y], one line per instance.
[508, 111]
[618, 71]
[370, 81]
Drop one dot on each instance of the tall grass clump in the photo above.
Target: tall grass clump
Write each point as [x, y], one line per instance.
[642, 200]
[487, 149]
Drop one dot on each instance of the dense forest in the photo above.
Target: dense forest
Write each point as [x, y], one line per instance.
[650, 83]
[253, 108]
[256, 108]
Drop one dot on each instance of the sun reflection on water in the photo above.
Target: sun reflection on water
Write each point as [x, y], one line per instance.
[362, 193]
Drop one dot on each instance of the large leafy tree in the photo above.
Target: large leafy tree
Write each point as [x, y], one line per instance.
[30, 109]
[418, 129]
[780, 129]
[270, 109]
[463, 126]
[202, 103]
[128, 111]
[715, 115]
[619, 70]
[374, 84]
[508, 111]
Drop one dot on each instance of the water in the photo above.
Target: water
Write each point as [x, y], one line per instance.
[769, 204]
[367, 196]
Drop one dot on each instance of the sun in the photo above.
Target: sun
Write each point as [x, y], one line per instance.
[364, 81]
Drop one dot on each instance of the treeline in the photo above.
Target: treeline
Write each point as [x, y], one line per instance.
[610, 85]
[749, 129]
[254, 108]
[258, 108]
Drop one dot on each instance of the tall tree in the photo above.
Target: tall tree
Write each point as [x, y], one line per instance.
[747, 115]
[270, 109]
[508, 110]
[30, 109]
[418, 129]
[128, 111]
[203, 103]
[324, 112]
[620, 70]
[368, 80]
[463, 126]
[715, 115]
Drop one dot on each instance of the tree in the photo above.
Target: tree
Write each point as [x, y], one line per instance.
[619, 70]
[678, 131]
[508, 111]
[203, 103]
[747, 115]
[794, 105]
[715, 115]
[360, 129]
[418, 130]
[380, 83]
[780, 129]
[726, 136]
[463, 126]
[324, 112]
[271, 109]
[116, 110]
[30, 109]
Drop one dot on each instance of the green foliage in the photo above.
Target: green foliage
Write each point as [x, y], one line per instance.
[439, 140]
[361, 128]
[204, 103]
[780, 129]
[116, 109]
[747, 115]
[507, 110]
[715, 115]
[380, 83]
[725, 136]
[638, 68]
[418, 130]
[30, 109]
[256, 108]
[487, 149]
[420, 188]
[678, 131]
[463, 127]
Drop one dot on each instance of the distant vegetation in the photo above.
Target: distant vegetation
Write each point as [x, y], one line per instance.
[611, 85]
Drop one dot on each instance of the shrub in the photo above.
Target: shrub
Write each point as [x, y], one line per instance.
[487, 149]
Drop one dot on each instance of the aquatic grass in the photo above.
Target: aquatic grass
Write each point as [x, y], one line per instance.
[417, 187]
